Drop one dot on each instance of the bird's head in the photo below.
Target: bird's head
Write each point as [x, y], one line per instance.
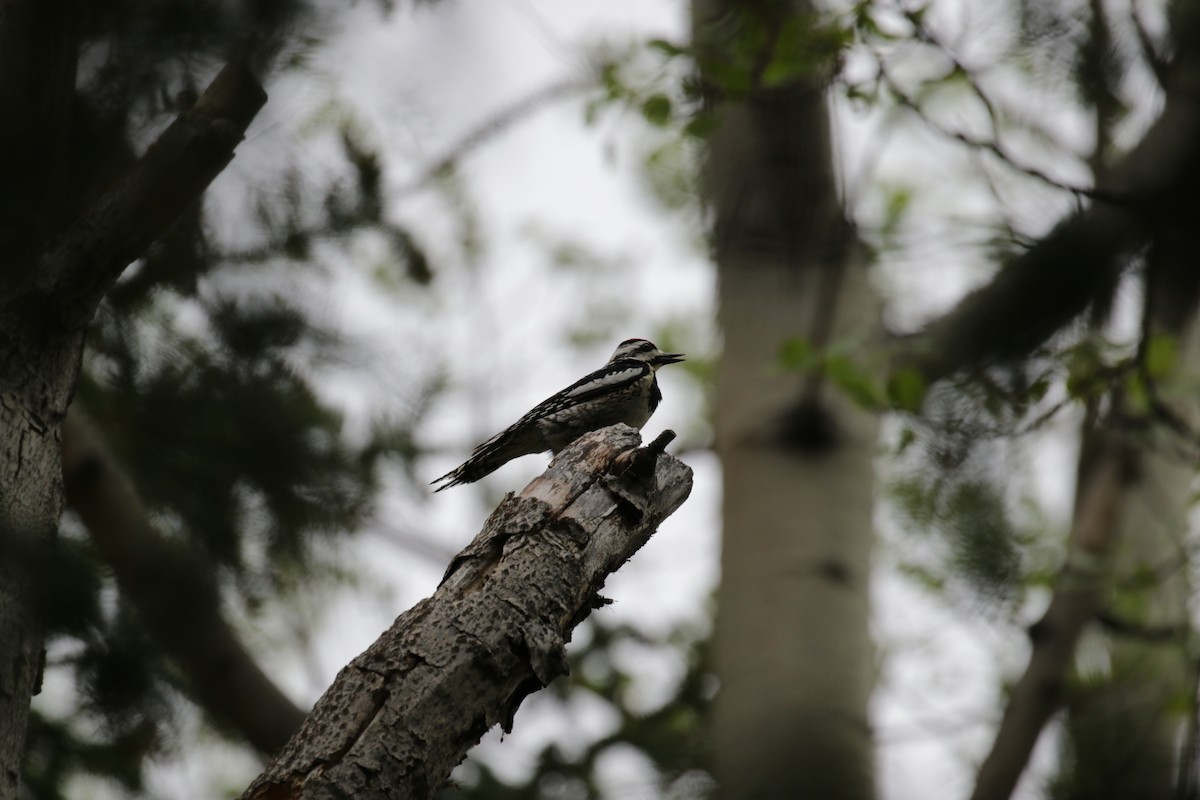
[644, 350]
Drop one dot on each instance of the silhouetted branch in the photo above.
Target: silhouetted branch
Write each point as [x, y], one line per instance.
[175, 595]
[1050, 284]
[171, 175]
[992, 145]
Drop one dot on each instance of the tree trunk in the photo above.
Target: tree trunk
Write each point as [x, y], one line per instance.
[30, 503]
[793, 653]
[1124, 732]
[37, 360]
[53, 275]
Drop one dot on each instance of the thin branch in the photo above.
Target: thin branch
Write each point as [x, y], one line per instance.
[171, 175]
[1050, 284]
[400, 716]
[495, 125]
[1075, 603]
[175, 597]
[1158, 65]
[992, 145]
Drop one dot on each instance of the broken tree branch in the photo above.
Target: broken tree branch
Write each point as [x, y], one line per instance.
[401, 715]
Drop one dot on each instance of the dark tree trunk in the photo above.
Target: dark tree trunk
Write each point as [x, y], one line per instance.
[53, 274]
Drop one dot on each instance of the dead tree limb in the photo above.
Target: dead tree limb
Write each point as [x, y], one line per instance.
[400, 716]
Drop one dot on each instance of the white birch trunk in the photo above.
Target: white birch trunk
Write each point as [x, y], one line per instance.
[792, 649]
[793, 652]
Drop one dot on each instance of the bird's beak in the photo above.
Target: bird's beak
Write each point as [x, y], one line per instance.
[667, 358]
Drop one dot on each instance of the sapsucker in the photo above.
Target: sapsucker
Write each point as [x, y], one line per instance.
[623, 390]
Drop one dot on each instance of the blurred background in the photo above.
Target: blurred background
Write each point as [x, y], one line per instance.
[447, 211]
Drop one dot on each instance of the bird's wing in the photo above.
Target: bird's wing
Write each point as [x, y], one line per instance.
[609, 378]
[524, 437]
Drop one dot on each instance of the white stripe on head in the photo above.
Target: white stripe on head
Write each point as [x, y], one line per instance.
[640, 349]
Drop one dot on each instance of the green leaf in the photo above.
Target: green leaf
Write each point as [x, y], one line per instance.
[804, 46]
[1037, 389]
[855, 382]
[922, 576]
[1162, 351]
[610, 79]
[657, 110]
[1137, 394]
[591, 111]
[734, 79]
[1083, 363]
[798, 355]
[906, 389]
[898, 200]
[702, 125]
[666, 48]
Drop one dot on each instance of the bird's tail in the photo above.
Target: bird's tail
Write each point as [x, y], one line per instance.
[487, 458]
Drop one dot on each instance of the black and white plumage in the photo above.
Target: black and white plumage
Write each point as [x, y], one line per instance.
[623, 390]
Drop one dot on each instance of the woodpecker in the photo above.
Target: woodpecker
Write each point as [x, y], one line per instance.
[623, 390]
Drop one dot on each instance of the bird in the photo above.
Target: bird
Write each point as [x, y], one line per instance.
[623, 390]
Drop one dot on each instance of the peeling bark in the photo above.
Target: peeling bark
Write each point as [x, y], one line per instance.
[402, 714]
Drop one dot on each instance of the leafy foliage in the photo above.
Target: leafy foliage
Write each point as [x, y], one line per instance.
[973, 520]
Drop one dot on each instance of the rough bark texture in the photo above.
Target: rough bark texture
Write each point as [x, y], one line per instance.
[175, 594]
[52, 276]
[400, 716]
[792, 647]
[37, 69]
[30, 504]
